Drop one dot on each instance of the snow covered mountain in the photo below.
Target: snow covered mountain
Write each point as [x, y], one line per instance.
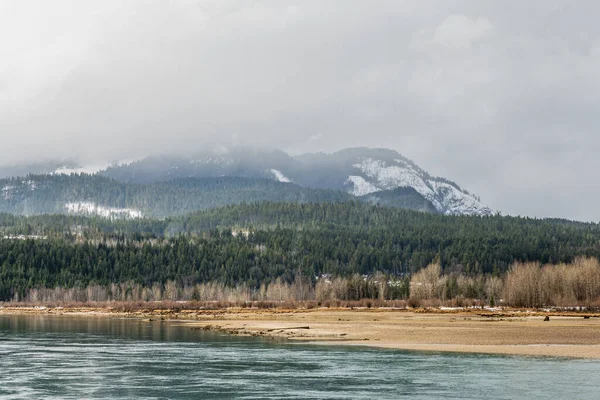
[370, 174]
[376, 175]
[379, 176]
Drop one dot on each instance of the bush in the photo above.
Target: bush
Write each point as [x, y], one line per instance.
[414, 302]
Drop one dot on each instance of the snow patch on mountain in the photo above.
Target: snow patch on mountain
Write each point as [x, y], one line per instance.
[7, 192]
[30, 184]
[360, 186]
[212, 161]
[458, 202]
[93, 209]
[93, 168]
[446, 198]
[393, 176]
[24, 237]
[81, 170]
[279, 176]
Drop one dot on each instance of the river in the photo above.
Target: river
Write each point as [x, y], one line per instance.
[93, 358]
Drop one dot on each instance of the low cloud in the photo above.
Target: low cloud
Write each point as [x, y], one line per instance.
[460, 31]
[501, 97]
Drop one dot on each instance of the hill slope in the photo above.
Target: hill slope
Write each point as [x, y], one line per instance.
[361, 172]
[341, 239]
[160, 186]
[95, 195]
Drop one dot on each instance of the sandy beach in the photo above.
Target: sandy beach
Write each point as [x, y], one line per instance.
[564, 336]
[516, 332]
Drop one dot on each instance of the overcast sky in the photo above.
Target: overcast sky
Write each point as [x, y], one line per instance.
[500, 96]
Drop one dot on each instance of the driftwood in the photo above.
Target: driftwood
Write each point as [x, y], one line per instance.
[288, 329]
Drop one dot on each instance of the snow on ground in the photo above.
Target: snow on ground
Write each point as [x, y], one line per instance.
[393, 176]
[93, 168]
[25, 237]
[280, 177]
[7, 192]
[457, 202]
[30, 184]
[360, 186]
[89, 169]
[91, 209]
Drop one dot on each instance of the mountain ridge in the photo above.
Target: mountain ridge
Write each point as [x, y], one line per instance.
[374, 175]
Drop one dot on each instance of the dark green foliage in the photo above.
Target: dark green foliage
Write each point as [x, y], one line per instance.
[47, 194]
[404, 197]
[341, 239]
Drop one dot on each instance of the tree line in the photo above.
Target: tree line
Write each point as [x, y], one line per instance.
[256, 244]
[524, 285]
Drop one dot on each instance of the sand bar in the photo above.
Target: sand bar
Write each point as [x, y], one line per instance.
[508, 332]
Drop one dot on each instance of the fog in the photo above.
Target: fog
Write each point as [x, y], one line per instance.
[499, 96]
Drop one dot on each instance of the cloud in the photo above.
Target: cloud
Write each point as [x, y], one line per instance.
[460, 31]
[501, 97]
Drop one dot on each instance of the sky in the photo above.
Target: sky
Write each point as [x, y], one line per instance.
[500, 96]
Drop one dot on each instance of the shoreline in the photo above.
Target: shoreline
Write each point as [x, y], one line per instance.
[475, 331]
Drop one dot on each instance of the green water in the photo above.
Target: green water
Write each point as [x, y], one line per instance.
[61, 357]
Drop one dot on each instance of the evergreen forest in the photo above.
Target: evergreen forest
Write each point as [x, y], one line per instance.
[256, 244]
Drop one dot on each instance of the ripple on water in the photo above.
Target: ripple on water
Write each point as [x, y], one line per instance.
[70, 358]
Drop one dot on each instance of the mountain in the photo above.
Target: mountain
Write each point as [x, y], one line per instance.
[96, 195]
[247, 163]
[371, 174]
[165, 186]
[57, 167]
[49, 167]
[375, 172]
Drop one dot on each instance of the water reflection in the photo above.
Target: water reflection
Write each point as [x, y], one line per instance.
[66, 357]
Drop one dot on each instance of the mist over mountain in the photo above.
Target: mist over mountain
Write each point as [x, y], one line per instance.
[172, 185]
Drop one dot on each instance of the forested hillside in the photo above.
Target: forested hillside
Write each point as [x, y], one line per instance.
[94, 194]
[175, 185]
[381, 175]
[276, 240]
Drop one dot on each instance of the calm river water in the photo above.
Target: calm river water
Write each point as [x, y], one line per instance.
[90, 358]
